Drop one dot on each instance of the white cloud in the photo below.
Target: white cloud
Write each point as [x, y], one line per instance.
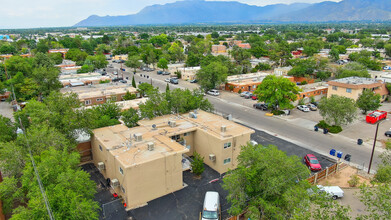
[55, 13]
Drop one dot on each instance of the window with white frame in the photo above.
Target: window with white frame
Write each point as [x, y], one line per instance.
[349, 90]
[228, 160]
[99, 99]
[122, 189]
[100, 148]
[121, 170]
[87, 102]
[227, 145]
[335, 87]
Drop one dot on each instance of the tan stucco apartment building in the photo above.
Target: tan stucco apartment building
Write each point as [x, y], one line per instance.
[101, 93]
[145, 162]
[352, 87]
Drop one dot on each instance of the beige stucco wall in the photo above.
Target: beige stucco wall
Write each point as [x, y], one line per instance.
[143, 182]
[342, 92]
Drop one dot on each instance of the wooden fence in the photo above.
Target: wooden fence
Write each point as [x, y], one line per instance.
[326, 172]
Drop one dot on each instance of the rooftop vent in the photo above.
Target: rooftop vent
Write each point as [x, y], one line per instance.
[172, 123]
[192, 115]
[101, 166]
[151, 146]
[223, 128]
[114, 183]
[138, 137]
[212, 157]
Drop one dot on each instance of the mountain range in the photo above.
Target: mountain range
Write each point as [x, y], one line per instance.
[201, 12]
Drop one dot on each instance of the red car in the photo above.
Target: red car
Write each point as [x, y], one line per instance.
[254, 97]
[312, 162]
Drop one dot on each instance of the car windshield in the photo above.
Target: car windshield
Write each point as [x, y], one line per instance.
[209, 214]
[314, 161]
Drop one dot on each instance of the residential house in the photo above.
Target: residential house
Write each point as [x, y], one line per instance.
[244, 82]
[217, 49]
[316, 90]
[189, 73]
[63, 51]
[146, 162]
[282, 71]
[352, 87]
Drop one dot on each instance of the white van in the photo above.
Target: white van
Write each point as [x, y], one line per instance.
[211, 208]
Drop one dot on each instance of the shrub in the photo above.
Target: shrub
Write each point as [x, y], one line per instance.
[312, 99]
[104, 81]
[231, 88]
[301, 102]
[322, 124]
[304, 83]
[240, 91]
[354, 180]
[332, 129]
[277, 112]
[198, 164]
[383, 174]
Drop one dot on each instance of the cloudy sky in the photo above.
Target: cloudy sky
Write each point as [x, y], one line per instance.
[59, 13]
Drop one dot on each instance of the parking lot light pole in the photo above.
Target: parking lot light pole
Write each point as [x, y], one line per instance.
[374, 145]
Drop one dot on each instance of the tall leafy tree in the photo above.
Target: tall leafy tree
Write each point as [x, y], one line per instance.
[133, 62]
[212, 75]
[130, 117]
[353, 69]
[7, 128]
[47, 80]
[163, 63]
[368, 101]
[277, 91]
[337, 110]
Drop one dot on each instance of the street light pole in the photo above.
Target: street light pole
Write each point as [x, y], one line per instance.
[374, 145]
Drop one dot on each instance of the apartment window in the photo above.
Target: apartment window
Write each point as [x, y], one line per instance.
[100, 148]
[186, 134]
[121, 170]
[335, 87]
[122, 189]
[226, 161]
[227, 145]
[176, 137]
[87, 102]
[99, 99]
[349, 90]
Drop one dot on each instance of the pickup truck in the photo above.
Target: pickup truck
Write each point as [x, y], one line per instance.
[333, 191]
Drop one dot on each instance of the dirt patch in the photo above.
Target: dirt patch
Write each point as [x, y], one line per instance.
[342, 177]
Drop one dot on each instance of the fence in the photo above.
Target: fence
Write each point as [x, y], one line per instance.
[326, 172]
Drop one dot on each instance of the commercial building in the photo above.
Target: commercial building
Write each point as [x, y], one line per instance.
[72, 80]
[146, 162]
[316, 90]
[189, 73]
[352, 87]
[244, 82]
[101, 93]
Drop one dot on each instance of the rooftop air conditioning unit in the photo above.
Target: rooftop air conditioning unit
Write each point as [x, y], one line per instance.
[114, 183]
[223, 128]
[138, 137]
[212, 157]
[172, 123]
[101, 166]
[192, 115]
[151, 146]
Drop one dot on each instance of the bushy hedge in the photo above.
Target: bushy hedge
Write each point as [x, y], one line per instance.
[332, 129]
[278, 112]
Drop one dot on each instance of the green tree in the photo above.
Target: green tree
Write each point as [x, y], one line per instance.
[387, 47]
[98, 61]
[163, 63]
[215, 35]
[133, 62]
[134, 82]
[176, 52]
[267, 184]
[352, 69]
[56, 57]
[376, 200]
[337, 110]
[7, 128]
[193, 59]
[197, 165]
[159, 40]
[47, 80]
[334, 54]
[130, 117]
[76, 55]
[368, 101]
[43, 60]
[212, 75]
[145, 88]
[277, 91]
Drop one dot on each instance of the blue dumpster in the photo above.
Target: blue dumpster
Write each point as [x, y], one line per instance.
[359, 141]
[339, 154]
[332, 152]
[316, 128]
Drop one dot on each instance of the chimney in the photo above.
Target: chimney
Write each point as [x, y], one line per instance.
[151, 146]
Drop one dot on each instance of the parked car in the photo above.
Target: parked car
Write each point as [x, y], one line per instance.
[286, 111]
[166, 73]
[116, 79]
[334, 191]
[254, 97]
[123, 81]
[167, 80]
[248, 95]
[261, 106]
[193, 81]
[244, 93]
[213, 92]
[312, 107]
[174, 81]
[315, 103]
[303, 108]
[159, 72]
[312, 162]
[388, 133]
[211, 208]
[387, 68]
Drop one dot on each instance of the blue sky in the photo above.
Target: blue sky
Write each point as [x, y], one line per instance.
[62, 13]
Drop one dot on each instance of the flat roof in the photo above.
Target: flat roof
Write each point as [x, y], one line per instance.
[120, 143]
[259, 76]
[99, 90]
[356, 82]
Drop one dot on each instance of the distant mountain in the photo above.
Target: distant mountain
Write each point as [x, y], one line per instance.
[200, 11]
[347, 10]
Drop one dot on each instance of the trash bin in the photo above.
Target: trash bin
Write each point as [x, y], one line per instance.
[316, 128]
[325, 131]
[347, 157]
[339, 154]
[332, 152]
[359, 141]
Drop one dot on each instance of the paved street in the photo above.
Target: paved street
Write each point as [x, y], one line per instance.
[298, 131]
